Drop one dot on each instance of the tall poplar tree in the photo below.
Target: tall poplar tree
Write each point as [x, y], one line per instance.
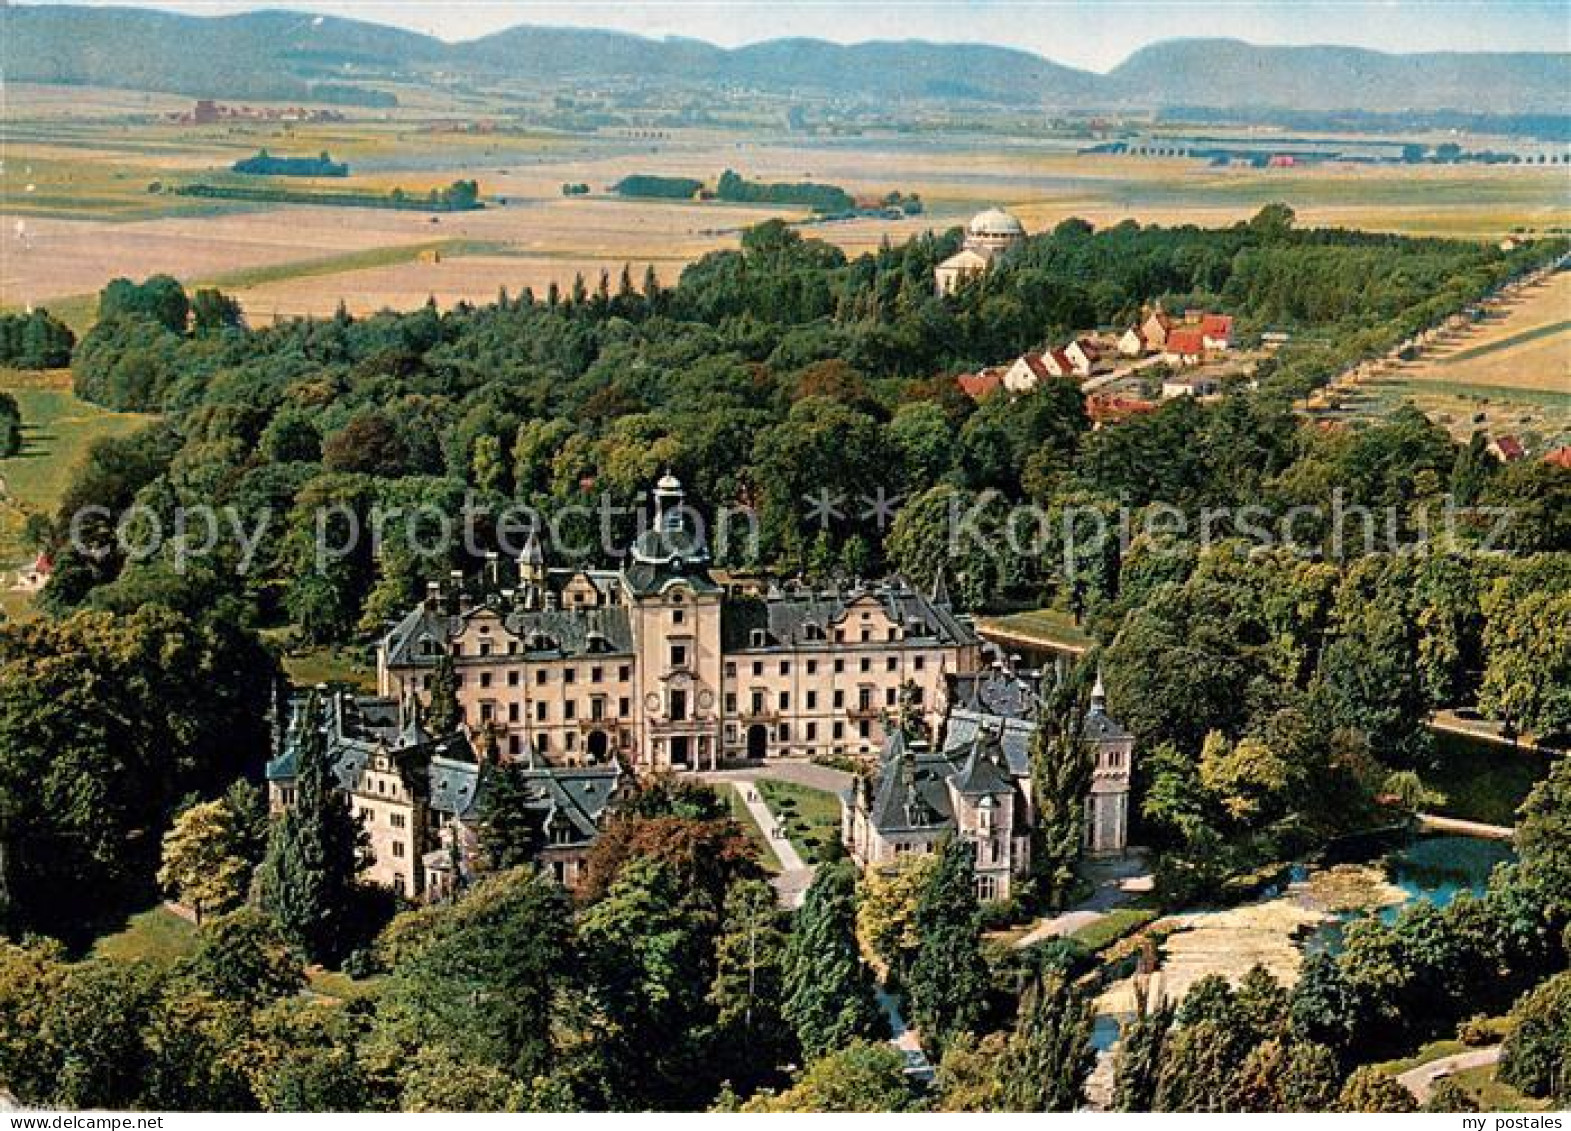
[1061, 764]
[949, 980]
[1050, 1055]
[307, 879]
[444, 714]
[829, 997]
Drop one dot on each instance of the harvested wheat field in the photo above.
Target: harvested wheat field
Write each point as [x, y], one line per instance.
[1524, 343]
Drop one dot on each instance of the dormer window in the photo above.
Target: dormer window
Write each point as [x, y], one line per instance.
[758, 638]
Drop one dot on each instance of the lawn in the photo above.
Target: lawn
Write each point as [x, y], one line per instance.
[739, 813]
[1492, 1094]
[1047, 628]
[810, 817]
[1482, 780]
[336, 984]
[158, 936]
[1116, 924]
[57, 429]
[348, 666]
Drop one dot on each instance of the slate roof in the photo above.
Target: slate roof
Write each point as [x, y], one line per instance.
[594, 631]
[791, 619]
[356, 728]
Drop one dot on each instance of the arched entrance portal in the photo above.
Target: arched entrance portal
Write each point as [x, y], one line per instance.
[598, 746]
[757, 741]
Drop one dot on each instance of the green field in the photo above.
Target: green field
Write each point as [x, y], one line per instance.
[158, 936]
[1045, 628]
[1482, 780]
[810, 817]
[57, 429]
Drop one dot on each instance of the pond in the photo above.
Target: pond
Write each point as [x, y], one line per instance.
[1433, 868]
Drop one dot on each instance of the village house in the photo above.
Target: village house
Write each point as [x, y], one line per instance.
[1216, 332]
[1185, 346]
[1198, 385]
[419, 796]
[975, 783]
[657, 665]
[982, 383]
[33, 578]
[1506, 449]
[1083, 354]
[988, 235]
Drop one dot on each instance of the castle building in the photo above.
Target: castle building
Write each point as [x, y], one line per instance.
[419, 796]
[657, 665]
[988, 235]
[976, 783]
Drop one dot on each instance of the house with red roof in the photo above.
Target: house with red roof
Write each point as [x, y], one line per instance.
[1110, 408]
[1083, 354]
[1027, 372]
[1506, 449]
[1560, 457]
[1217, 331]
[981, 384]
[1185, 346]
[35, 576]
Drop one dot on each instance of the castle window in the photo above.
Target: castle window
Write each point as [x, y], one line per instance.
[812, 732]
[785, 732]
[678, 705]
[570, 710]
[512, 679]
[678, 616]
[624, 673]
[840, 699]
[624, 707]
[540, 677]
[986, 888]
[485, 679]
[730, 669]
[596, 675]
[919, 663]
[540, 711]
[396, 819]
[867, 664]
[840, 667]
[730, 702]
[485, 647]
[812, 667]
[812, 700]
[678, 655]
[892, 664]
[757, 637]
[758, 667]
[398, 849]
[569, 675]
[512, 712]
[785, 667]
[785, 700]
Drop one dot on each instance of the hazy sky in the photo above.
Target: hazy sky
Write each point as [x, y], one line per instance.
[1083, 33]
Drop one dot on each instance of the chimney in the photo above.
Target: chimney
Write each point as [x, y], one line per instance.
[433, 595]
[493, 569]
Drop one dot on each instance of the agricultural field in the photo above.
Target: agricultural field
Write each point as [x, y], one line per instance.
[76, 210]
[1508, 373]
[57, 429]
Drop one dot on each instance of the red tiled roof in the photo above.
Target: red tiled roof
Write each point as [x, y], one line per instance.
[1217, 325]
[1104, 407]
[1036, 365]
[1088, 347]
[1186, 341]
[1061, 359]
[1560, 457]
[978, 385]
[43, 566]
[1510, 447]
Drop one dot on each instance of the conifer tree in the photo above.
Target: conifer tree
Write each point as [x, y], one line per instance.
[307, 879]
[444, 714]
[829, 997]
[1050, 1055]
[1061, 764]
[949, 980]
[1142, 1043]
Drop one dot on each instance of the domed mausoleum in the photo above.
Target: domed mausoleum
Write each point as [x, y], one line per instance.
[988, 235]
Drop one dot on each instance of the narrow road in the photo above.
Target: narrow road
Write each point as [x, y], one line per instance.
[795, 873]
[1421, 1080]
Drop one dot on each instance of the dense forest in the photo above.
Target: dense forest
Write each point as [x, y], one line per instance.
[1278, 693]
[35, 340]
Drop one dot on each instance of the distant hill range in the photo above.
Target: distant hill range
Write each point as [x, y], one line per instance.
[291, 55]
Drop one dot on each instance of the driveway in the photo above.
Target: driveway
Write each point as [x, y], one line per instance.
[1422, 1080]
[810, 774]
